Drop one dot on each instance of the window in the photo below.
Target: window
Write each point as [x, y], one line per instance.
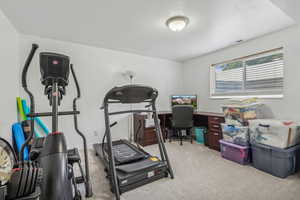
[259, 75]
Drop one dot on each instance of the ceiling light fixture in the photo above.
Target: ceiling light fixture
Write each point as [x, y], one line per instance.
[177, 23]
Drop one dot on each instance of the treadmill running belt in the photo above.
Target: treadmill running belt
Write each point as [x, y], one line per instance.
[139, 165]
[124, 153]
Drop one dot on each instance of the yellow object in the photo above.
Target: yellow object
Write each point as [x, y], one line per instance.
[154, 159]
[21, 110]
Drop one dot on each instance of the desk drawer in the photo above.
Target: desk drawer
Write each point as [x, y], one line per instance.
[213, 138]
[215, 134]
[214, 119]
[215, 126]
[148, 142]
[148, 137]
[149, 134]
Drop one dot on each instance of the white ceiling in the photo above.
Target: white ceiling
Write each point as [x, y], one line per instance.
[138, 26]
[290, 7]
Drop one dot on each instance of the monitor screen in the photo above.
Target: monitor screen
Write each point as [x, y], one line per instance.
[184, 100]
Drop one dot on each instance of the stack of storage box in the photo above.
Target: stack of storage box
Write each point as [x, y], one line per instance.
[235, 143]
[275, 146]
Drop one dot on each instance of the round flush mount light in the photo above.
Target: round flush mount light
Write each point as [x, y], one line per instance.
[177, 23]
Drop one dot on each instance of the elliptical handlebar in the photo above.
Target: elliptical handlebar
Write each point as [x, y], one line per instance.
[76, 82]
[88, 185]
[31, 97]
[27, 64]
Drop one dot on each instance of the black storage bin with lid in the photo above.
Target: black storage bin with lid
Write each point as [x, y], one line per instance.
[276, 161]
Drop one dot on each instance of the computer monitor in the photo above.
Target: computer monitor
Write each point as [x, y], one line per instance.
[184, 100]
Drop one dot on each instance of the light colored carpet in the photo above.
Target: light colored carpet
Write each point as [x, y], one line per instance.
[201, 173]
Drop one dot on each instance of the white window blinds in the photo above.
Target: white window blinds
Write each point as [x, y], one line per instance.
[259, 74]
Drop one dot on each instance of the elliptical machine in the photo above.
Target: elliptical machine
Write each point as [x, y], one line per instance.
[51, 153]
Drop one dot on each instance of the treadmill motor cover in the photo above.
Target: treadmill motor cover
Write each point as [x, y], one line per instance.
[140, 165]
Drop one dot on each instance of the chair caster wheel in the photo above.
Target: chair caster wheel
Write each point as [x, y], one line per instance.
[77, 196]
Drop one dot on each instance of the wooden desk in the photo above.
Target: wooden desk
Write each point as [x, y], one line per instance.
[210, 120]
[143, 135]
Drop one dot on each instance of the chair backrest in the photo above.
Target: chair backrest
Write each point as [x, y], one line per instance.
[182, 116]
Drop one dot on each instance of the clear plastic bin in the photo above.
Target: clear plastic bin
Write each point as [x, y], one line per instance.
[240, 114]
[236, 134]
[276, 133]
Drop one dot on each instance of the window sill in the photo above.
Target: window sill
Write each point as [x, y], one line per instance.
[279, 96]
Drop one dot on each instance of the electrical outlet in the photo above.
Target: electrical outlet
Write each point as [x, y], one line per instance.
[96, 133]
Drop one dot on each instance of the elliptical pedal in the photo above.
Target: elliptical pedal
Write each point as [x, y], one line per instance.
[79, 180]
[73, 156]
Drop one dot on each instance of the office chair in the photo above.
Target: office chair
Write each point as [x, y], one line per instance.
[182, 119]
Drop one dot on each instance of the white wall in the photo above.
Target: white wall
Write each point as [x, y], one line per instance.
[99, 70]
[8, 76]
[196, 72]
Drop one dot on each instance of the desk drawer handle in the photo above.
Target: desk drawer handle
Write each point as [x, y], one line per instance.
[216, 118]
[216, 134]
[216, 126]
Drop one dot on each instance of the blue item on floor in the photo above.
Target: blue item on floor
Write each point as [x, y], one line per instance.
[200, 132]
[19, 139]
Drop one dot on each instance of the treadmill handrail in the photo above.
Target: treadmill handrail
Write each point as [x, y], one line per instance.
[49, 114]
[130, 111]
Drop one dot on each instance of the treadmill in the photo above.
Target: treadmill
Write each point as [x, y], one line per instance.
[127, 165]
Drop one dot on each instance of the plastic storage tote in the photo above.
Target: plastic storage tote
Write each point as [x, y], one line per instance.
[276, 133]
[236, 134]
[240, 114]
[234, 152]
[200, 134]
[276, 161]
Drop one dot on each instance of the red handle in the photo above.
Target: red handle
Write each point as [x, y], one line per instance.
[243, 153]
